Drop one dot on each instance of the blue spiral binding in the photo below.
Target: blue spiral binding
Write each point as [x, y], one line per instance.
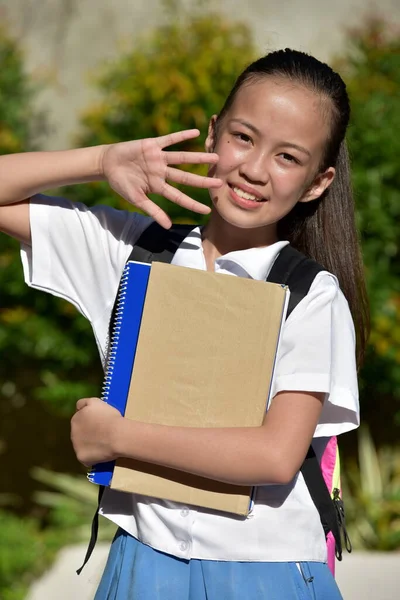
[122, 350]
[115, 335]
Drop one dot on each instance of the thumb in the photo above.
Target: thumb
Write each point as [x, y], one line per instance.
[82, 403]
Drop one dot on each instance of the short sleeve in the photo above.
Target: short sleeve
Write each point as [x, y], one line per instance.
[78, 253]
[317, 354]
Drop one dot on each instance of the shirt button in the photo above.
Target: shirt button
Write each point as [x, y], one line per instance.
[183, 546]
[184, 512]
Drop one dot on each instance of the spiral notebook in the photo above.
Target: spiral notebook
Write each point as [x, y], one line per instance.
[122, 349]
[190, 348]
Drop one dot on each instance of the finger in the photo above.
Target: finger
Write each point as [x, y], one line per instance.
[194, 158]
[177, 137]
[152, 209]
[186, 178]
[178, 197]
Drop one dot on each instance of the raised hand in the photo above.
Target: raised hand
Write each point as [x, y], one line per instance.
[135, 169]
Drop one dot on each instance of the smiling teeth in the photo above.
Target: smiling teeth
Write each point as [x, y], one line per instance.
[245, 195]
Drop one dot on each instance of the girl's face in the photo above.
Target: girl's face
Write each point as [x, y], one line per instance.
[270, 145]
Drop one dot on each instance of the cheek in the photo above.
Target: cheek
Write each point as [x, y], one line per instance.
[290, 182]
[229, 157]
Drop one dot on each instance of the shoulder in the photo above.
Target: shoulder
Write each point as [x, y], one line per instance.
[324, 307]
[325, 285]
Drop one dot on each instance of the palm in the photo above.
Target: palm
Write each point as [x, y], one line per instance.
[135, 169]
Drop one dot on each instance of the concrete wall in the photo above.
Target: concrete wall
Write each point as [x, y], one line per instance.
[64, 40]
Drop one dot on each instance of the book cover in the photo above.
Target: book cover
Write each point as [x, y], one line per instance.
[205, 357]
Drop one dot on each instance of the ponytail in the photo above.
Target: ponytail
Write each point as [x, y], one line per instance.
[325, 230]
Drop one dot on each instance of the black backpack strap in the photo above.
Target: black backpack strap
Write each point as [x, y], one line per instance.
[295, 270]
[159, 244]
[155, 244]
[94, 531]
[318, 490]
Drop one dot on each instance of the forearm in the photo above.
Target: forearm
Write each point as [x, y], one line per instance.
[271, 453]
[242, 456]
[24, 175]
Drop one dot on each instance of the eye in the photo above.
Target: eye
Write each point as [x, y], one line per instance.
[289, 158]
[243, 137]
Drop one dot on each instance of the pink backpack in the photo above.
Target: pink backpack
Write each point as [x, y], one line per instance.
[330, 467]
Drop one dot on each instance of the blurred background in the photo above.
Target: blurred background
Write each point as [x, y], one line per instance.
[83, 72]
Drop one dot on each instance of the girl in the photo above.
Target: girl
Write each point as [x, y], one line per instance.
[279, 173]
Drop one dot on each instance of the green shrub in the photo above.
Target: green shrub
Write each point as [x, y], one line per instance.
[72, 502]
[37, 331]
[372, 496]
[21, 553]
[371, 68]
[15, 98]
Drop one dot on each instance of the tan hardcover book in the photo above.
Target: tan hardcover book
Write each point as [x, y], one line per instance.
[205, 358]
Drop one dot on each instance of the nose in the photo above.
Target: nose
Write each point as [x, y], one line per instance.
[254, 167]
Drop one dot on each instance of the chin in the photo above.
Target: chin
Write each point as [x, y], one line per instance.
[240, 219]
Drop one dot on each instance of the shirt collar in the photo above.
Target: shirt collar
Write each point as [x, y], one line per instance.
[256, 262]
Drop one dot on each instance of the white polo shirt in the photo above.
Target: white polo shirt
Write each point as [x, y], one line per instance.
[79, 253]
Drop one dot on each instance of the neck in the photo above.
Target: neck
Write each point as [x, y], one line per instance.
[220, 237]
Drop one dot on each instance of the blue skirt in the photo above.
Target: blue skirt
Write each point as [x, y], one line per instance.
[135, 571]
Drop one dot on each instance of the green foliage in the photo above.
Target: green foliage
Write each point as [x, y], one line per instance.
[372, 72]
[372, 496]
[72, 504]
[21, 553]
[42, 344]
[27, 549]
[15, 97]
[38, 332]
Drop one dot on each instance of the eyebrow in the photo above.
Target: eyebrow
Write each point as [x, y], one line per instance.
[257, 132]
[297, 147]
[247, 124]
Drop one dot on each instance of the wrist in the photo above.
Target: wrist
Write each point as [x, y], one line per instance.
[99, 166]
[119, 435]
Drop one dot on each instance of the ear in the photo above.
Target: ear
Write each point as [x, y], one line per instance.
[321, 182]
[211, 135]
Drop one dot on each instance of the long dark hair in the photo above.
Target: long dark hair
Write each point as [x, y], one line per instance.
[323, 229]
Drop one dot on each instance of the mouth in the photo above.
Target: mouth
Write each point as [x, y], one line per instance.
[245, 198]
[246, 195]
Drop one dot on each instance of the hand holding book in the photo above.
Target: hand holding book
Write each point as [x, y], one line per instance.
[94, 428]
